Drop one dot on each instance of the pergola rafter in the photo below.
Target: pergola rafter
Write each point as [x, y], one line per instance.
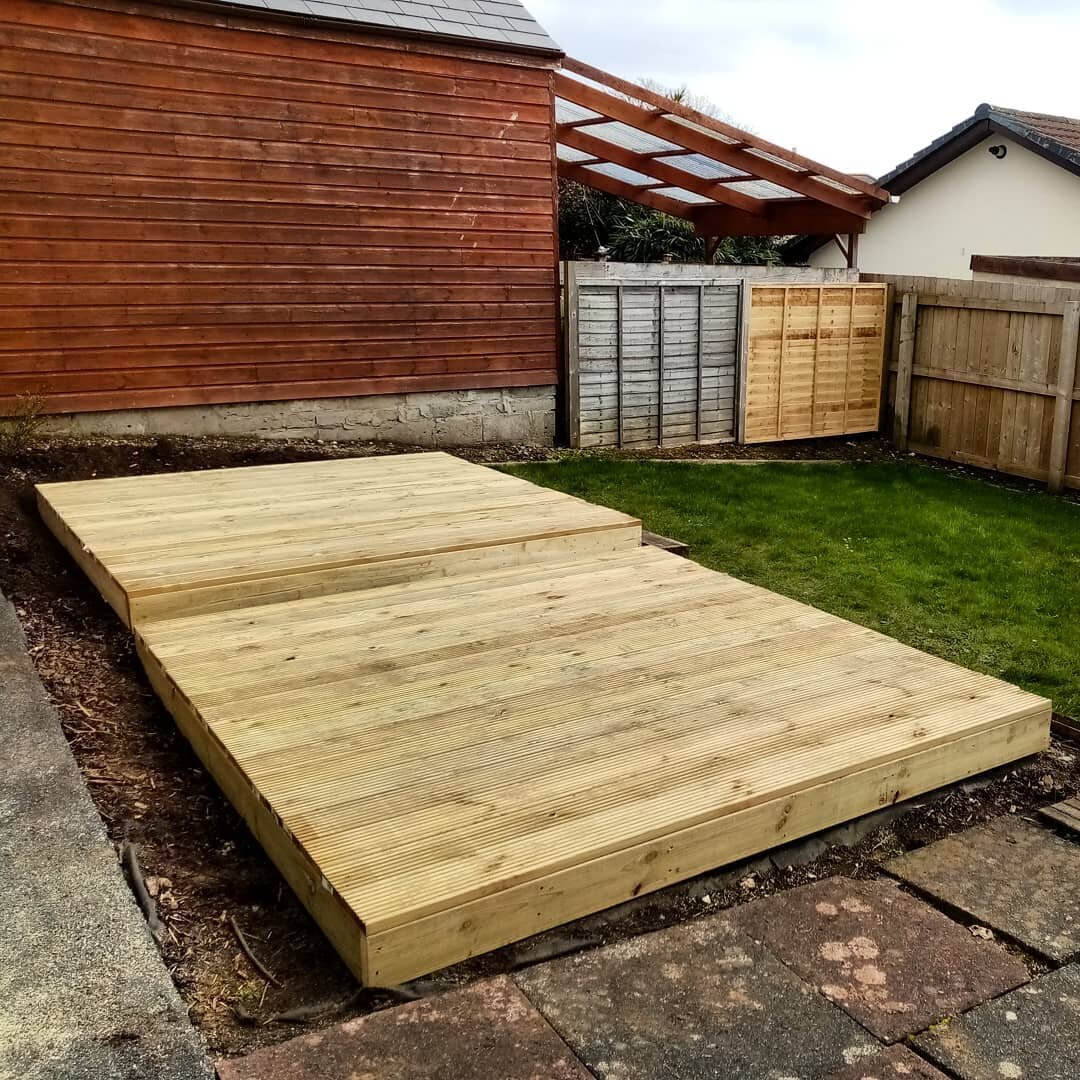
[673, 158]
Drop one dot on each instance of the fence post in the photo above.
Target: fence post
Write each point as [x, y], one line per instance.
[1059, 441]
[571, 355]
[902, 402]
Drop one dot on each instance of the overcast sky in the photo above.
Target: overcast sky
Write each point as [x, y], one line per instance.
[859, 86]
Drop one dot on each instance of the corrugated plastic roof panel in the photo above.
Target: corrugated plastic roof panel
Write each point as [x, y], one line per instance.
[568, 153]
[566, 112]
[488, 22]
[705, 167]
[764, 189]
[682, 195]
[617, 172]
[631, 138]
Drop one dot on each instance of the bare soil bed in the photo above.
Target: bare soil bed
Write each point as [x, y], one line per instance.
[200, 860]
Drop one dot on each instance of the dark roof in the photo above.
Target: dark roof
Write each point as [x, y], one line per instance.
[503, 23]
[1056, 138]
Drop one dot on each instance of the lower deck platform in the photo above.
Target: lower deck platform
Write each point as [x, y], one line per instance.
[443, 768]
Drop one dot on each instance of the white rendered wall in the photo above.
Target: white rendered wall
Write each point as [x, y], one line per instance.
[975, 205]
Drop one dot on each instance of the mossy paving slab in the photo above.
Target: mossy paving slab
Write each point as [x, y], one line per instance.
[1013, 876]
[896, 1063]
[1030, 1034]
[488, 1031]
[892, 962]
[697, 1000]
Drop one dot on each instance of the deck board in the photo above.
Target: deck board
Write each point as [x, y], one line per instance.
[448, 762]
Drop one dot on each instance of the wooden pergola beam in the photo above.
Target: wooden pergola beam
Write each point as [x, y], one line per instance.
[657, 121]
[660, 170]
[785, 217]
[623, 190]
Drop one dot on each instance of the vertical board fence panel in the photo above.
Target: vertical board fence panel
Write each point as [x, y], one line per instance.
[986, 374]
[814, 360]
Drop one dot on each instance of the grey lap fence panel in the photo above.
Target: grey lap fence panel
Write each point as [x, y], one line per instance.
[652, 351]
[656, 363]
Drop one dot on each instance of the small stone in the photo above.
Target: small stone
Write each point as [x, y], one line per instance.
[982, 932]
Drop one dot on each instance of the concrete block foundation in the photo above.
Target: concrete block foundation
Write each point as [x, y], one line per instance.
[520, 415]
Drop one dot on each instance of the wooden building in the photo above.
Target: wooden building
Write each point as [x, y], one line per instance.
[307, 217]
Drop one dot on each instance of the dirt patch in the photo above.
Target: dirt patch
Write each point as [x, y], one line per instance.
[149, 787]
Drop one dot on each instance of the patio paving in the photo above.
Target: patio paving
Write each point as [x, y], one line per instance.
[697, 1000]
[1014, 877]
[892, 962]
[896, 1063]
[488, 1031]
[1032, 1033]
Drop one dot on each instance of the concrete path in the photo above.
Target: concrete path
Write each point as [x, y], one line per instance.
[84, 994]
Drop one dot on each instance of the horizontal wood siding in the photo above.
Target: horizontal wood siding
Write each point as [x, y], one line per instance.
[205, 207]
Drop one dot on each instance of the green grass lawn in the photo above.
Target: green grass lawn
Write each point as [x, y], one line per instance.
[983, 575]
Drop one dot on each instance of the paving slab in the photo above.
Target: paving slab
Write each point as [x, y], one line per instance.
[1065, 815]
[488, 1031]
[896, 1063]
[694, 1001]
[1010, 875]
[892, 962]
[84, 994]
[1030, 1034]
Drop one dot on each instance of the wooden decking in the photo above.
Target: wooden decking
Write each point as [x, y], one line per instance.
[158, 546]
[448, 763]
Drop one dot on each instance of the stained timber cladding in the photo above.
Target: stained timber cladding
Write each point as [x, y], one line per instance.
[212, 206]
[653, 361]
[814, 360]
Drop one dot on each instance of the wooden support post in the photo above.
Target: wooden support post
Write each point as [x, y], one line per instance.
[700, 357]
[619, 363]
[1066, 383]
[712, 243]
[571, 353]
[902, 402]
[660, 377]
[746, 292]
[853, 251]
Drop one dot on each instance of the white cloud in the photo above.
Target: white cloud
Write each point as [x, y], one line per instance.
[858, 86]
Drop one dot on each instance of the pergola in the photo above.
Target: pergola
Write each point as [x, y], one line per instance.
[628, 141]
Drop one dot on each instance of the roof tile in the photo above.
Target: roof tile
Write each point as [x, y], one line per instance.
[496, 22]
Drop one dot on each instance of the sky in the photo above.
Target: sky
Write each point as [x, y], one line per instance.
[856, 86]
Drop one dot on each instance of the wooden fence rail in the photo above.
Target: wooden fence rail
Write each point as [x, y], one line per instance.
[986, 374]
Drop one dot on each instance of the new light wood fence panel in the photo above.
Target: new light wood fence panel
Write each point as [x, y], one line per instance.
[814, 360]
[987, 375]
[653, 364]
